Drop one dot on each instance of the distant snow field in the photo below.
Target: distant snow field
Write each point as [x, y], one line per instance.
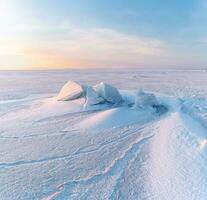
[105, 134]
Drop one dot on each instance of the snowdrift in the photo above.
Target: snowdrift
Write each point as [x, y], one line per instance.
[116, 118]
[120, 109]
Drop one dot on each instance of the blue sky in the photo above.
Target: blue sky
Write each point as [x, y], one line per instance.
[103, 33]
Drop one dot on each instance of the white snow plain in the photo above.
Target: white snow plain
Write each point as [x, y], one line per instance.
[150, 146]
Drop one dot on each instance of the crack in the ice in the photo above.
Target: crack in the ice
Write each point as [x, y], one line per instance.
[60, 133]
[71, 156]
[117, 166]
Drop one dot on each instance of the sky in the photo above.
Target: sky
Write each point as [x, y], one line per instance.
[54, 34]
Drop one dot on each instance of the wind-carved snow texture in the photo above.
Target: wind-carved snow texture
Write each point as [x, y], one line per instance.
[152, 145]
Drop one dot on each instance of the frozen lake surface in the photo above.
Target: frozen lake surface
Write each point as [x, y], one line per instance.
[62, 150]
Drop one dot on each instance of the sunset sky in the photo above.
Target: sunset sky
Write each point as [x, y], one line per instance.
[50, 34]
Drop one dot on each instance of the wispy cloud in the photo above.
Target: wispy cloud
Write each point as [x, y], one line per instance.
[97, 47]
[51, 34]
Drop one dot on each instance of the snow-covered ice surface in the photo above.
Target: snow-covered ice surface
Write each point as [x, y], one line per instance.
[64, 150]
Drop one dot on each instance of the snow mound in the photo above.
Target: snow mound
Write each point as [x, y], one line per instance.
[92, 98]
[108, 92]
[143, 99]
[70, 91]
[116, 117]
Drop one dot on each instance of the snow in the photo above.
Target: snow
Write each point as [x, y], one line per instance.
[108, 92]
[116, 117]
[147, 145]
[71, 90]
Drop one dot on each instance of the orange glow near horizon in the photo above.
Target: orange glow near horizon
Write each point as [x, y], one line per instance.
[37, 59]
